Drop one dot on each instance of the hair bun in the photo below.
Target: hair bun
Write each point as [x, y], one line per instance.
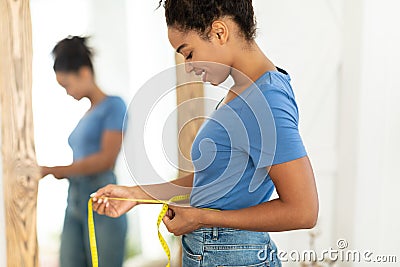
[78, 39]
[72, 53]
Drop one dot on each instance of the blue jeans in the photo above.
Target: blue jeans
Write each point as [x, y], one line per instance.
[225, 247]
[110, 232]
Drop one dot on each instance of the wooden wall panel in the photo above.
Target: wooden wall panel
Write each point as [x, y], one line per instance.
[187, 126]
[20, 172]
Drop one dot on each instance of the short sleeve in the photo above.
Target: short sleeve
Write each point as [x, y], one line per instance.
[289, 145]
[115, 115]
[270, 116]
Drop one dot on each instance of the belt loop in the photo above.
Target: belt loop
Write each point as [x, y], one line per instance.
[215, 233]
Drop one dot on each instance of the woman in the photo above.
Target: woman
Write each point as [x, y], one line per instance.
[217, 40]
[95, 142]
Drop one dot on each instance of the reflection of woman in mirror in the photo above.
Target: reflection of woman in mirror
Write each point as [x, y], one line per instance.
[95, 142]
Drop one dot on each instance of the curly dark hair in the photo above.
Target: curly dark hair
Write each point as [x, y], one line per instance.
[198, 15]
[72, 53]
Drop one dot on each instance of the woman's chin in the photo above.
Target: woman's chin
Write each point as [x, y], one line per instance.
[213, 83]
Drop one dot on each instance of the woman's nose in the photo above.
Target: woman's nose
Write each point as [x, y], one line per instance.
[188, 67]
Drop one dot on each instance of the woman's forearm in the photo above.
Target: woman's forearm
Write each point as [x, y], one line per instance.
[166, 191]
[271, 216]
[90, 165]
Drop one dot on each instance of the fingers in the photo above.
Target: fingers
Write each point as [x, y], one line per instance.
[102, 192]
[99, 199]
[167, 223]
[168, 219]
[44, 171]
[99, 206]
[102, 208]
[102, 203]
[170, 213]
[172, 226]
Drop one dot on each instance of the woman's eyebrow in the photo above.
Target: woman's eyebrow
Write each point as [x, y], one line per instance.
[180, 48]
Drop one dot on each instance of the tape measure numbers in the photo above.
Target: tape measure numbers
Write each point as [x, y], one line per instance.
[164, 209]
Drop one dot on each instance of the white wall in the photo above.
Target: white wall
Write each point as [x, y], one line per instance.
[377, 180]
[348, 130]
[367, 180]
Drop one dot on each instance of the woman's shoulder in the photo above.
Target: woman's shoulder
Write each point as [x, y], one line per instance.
[114, 100]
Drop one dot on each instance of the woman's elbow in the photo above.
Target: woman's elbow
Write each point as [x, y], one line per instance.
[105, 164]
[309, 218]
[310, 222]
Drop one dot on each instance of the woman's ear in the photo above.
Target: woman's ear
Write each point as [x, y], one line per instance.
[85, 72]
[220, 31]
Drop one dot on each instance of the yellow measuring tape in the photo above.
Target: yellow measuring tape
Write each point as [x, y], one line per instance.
[92, 233]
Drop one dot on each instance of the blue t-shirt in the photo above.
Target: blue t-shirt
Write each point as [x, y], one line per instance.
[233, 147]
[108, 115]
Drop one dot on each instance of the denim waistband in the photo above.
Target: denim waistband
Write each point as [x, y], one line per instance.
[221, 230]
[215, 229]
[215, 232]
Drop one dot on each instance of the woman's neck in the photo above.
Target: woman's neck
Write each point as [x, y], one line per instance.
[251, 64]
[96, 96]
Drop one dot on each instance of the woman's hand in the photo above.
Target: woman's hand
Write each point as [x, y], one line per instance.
[58, 171]
[114, 208]
[182, 220]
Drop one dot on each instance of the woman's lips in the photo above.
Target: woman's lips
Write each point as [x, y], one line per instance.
[203, 75]
[204, 78]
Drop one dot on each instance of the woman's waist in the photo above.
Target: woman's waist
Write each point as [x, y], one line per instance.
[92, 181]
[108, 174]
[223, 230]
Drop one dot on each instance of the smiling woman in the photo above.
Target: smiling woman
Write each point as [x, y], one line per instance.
[248, 147]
